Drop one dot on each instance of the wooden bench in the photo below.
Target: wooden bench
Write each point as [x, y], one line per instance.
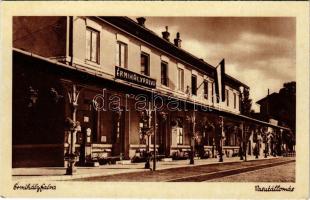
[181, 155]
[143, 157]
[289, 154]
[109, 160]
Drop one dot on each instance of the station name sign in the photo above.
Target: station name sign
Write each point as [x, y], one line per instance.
[133, 77]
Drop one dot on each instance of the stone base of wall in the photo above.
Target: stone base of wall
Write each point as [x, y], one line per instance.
[43, 155]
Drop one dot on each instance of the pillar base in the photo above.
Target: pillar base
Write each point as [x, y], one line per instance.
[71, 170]
[147, 165]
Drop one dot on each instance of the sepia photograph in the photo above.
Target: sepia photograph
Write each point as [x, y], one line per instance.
[145, 99]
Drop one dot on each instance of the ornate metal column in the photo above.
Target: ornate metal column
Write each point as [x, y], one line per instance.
[256, 140]
[74, 127]
[281, 143]
[155, 134]
[264, 131]
[146, 119]
[192, 120]
[246, 134]
[219, 135]
[241, 140]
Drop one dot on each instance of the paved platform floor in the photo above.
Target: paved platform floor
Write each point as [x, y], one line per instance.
[58, 173]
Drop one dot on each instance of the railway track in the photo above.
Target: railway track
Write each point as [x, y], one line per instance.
[223, 173]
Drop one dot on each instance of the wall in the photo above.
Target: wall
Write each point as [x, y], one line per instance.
[45, 36]
[108, 38]
[37, 126]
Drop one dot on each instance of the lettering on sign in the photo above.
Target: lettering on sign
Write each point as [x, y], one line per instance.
[133, 77]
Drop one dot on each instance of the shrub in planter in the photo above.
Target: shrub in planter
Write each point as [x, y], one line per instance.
[103, 161]
[206, 155]
[235, 154]
[138, 159]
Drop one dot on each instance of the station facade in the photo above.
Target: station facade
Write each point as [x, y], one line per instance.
[106, 76]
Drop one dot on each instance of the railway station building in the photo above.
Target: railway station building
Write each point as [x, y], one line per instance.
[111, 87]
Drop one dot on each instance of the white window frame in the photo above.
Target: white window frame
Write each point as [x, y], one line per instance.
[167, 73]
[206, 90]
[89, 51]
[235, 100]
[148, 63]
[227, 97]
[180, 79]
[212, 91]
[121, 54]
[196, 90]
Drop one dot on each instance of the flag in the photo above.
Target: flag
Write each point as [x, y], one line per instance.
[219, 82]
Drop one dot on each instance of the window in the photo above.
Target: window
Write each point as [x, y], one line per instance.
[145, 64]
[164, 73]
[179, 135]
[194, 85]
[212, 91]
[239, 103]
[180, 79]
[206, 89]
[235, 101]
[92, 45]
[121, 54]
[227, 97]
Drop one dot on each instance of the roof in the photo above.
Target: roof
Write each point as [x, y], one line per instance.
[272, 95]
[130, 26]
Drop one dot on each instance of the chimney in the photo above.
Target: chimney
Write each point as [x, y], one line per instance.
[166, 34]
[141, 21]
[177, 40]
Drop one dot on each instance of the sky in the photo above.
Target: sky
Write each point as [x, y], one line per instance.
[258, 51]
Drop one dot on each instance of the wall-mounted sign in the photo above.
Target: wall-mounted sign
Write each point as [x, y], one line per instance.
[133, 77]
[86, 119]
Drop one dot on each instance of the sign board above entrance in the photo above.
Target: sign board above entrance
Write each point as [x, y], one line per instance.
[133, 77]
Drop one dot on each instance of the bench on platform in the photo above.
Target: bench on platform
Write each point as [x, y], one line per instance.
[143, 158]
[292, 154]
[109, 160]
[181, 155]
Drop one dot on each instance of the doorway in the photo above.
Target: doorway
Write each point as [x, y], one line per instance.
[118, 135]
